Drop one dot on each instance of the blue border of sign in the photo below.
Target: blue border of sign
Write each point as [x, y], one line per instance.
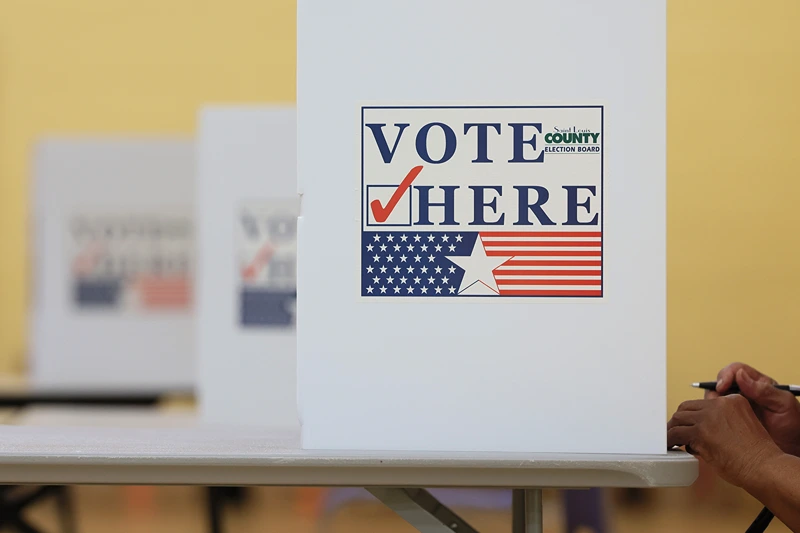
[602, 178]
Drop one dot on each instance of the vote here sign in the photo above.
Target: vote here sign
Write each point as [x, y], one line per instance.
[478, 202]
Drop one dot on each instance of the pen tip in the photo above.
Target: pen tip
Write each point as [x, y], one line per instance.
[695, 385]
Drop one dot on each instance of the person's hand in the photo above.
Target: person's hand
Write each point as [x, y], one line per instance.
[777, 409]
[726, 434]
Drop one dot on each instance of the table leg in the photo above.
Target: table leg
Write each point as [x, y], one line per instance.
[66, 510]
[422, 510]
[534, 517]
[518, 511]
[526, 511]
[215, 505]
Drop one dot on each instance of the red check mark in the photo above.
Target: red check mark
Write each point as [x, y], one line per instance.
[381, 213]
[258, 263]
[87, 260]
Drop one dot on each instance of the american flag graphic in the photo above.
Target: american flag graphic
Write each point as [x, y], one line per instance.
[450, 264]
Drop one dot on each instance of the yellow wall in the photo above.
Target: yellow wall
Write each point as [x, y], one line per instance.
[109, 66]
[733, 189]
[734, 142]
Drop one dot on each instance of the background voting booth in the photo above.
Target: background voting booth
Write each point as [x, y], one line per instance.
[113, 265]
[247, 210]
[483, 208]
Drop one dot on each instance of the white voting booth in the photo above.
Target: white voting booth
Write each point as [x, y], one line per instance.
[112, 265]
[247, 211]
[481, 244]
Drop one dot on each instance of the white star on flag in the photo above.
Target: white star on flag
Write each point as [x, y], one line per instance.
[478, 267]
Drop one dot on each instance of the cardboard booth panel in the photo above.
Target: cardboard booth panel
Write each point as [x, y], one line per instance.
[247, 208]
[113, 276]
[482, 239]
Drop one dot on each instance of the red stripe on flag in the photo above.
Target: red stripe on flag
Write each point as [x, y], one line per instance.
[514, 282]
[577, 244]
[551, 293]
[544, 253]
[501, 272]
[586, 234]
[551, 263]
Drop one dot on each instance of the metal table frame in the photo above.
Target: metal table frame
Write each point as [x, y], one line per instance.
[422, 510]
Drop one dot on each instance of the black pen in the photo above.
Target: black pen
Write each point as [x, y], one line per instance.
[733, 389]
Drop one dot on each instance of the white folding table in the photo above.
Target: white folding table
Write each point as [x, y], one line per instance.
[209, 456]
